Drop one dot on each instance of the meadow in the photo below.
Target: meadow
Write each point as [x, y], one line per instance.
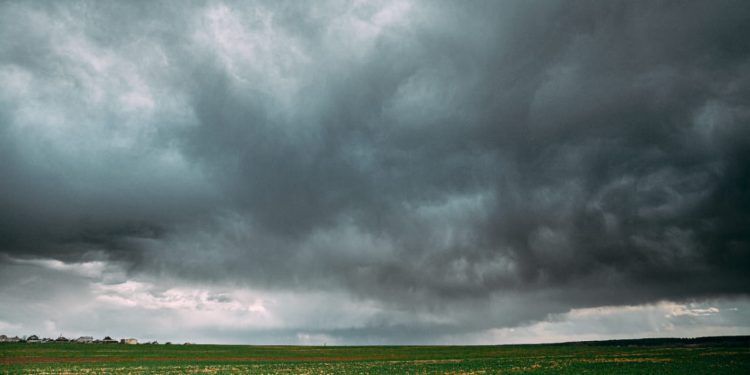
[576, 358]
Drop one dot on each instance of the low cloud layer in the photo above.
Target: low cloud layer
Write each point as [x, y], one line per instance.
[440, 167]
[49, 298]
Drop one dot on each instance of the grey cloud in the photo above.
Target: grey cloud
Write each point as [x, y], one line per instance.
[431, 156]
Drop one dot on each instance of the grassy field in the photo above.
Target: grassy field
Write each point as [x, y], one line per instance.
[620, 358]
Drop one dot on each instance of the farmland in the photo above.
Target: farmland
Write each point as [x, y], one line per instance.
[621, 357]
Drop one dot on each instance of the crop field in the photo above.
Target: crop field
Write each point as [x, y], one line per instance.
[71, 358]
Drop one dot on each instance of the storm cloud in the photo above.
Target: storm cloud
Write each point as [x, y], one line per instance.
[456, 166]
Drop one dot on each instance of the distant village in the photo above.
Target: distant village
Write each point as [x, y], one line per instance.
[34, 339]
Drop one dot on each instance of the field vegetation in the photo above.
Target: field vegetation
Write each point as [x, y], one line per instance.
[578, 358]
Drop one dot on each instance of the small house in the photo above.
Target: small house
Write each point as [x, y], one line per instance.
[85, 340]
[108, 340]
[33, 339]
[130, 341]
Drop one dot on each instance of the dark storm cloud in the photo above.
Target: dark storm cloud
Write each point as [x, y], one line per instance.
[426, 155]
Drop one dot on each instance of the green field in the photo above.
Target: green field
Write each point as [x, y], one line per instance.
[229, 359]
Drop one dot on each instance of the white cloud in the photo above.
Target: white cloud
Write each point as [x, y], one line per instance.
[6, 326]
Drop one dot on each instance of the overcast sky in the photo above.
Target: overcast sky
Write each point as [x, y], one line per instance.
[375, 172]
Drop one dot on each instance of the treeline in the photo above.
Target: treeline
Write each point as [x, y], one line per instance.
[719, 341]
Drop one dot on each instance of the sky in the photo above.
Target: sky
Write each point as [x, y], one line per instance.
[375, 172]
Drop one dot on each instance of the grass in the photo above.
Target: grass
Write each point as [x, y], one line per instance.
[231, 359]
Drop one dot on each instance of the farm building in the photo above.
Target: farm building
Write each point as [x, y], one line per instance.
[85, 340]
[4, 338]
[33, 339]
[129, 341]
[108, 340]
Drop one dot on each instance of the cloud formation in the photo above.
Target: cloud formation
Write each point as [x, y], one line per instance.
[461, 166]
